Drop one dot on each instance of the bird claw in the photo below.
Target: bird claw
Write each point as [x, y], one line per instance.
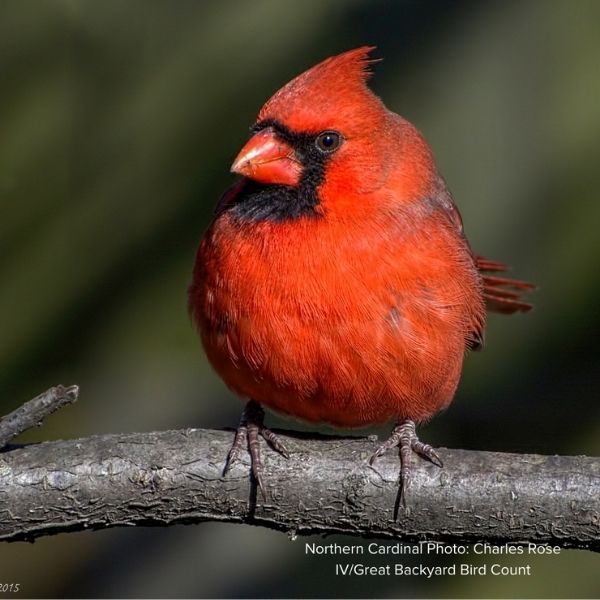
[247, 435]
[404, 438]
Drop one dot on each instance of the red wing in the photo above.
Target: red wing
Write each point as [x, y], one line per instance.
[501, 294]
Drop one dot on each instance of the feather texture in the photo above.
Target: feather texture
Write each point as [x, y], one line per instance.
[358, 306]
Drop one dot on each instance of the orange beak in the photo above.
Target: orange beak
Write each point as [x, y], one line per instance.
[267, 159]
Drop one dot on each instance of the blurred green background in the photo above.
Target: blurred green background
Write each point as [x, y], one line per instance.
[118, 123]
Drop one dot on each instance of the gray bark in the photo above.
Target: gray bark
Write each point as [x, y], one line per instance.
[326, 486]
[32, 413]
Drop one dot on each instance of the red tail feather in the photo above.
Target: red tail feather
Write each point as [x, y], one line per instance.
[498, 298]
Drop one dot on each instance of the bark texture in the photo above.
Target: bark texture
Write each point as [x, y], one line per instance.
[33, 412]
[326, 486]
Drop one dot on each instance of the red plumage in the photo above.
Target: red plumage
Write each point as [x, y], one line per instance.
[335, 283]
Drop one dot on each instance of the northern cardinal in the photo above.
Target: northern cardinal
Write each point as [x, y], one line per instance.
[335, 283]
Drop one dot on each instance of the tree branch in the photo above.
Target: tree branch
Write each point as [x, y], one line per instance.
[32, 413]
[326, 486]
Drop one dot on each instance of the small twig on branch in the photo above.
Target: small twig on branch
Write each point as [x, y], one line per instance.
[326, 486]
[32, 413]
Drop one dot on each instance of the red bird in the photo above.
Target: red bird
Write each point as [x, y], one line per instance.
[335, 283]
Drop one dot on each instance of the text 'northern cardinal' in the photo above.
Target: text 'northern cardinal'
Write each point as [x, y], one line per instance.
[335, 283]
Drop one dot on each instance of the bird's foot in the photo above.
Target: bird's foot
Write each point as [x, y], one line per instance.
[247, 434]
[405, 438]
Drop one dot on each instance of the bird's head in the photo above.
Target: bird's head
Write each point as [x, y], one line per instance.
[326, 134]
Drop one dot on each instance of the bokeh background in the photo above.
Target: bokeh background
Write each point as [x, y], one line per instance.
[118, 123]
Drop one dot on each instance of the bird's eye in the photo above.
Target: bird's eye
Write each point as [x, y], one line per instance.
[328, 141]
